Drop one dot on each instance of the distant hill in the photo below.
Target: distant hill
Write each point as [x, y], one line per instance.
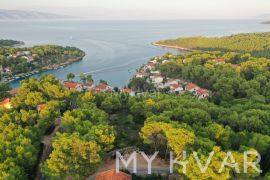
[264, 16]
[9, 43]
[266, 22]
[24, 15]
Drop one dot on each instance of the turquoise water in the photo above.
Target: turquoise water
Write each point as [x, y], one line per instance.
[115, 49]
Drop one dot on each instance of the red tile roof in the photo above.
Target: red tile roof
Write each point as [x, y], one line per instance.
[220, 60]
[41, 107]
[191, 86]
[112, 175]
[5, 102]
[102, 86]
[71, 85]
[201, 91]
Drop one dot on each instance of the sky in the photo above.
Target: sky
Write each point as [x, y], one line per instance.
[146, 9]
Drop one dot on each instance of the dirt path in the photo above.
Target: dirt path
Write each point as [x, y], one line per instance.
[47, 143]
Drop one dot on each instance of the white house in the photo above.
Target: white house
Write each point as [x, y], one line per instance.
[164, 61]
[157, 79]
[88, 86]
[176, 88]
[140, 75]
[73, 86]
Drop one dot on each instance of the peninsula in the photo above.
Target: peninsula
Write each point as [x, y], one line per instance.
[255, 43]
[20, 62]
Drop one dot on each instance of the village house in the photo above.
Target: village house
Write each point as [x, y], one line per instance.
[202, 93]
[157, 79]
[191, 87]
[154, 61]
[41, 107]
[140, 75]
[176, 88]
[164, 61]
[235, 65]
[13, 92]
[6, 103]
[7, 70]
[219, 61]
[88, 86]
[73, 86]
[149, 66]
[155, 73]
[102, 88]
[127, 91]
[29, 58]
[113, 175]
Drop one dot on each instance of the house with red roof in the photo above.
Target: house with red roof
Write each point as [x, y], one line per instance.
[73, 86]
[191, 87]
[102, 88]
[113, 175]
[202, 93]
[220, 61]
[176, 88]
[6, 104]
[41, 107]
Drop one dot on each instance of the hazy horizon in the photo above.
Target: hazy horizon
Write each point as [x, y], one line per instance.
[145, 10]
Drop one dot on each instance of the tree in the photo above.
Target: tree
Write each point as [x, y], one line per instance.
[72, 157]
[158, 134]
[103, 81]
[83, 78]
[70, 76]
[89, 78]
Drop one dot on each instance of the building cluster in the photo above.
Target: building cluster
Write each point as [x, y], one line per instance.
[161, 82]
[22, 54]
[99, 88]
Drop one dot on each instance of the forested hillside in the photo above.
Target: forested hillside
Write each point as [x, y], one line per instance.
[9, 43]
[258, 44]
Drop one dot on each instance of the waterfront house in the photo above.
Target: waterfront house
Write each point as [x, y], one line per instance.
[73, 86]
[157, 79]
[164, 61]
[113, 175]
[155, 73]
[127, 91]
[102, 88]
[6, 103]
[149, 66]
[88, 86]
[140, 75]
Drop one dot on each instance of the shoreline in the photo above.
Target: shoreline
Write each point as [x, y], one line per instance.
[170, 46]
[47, 68]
